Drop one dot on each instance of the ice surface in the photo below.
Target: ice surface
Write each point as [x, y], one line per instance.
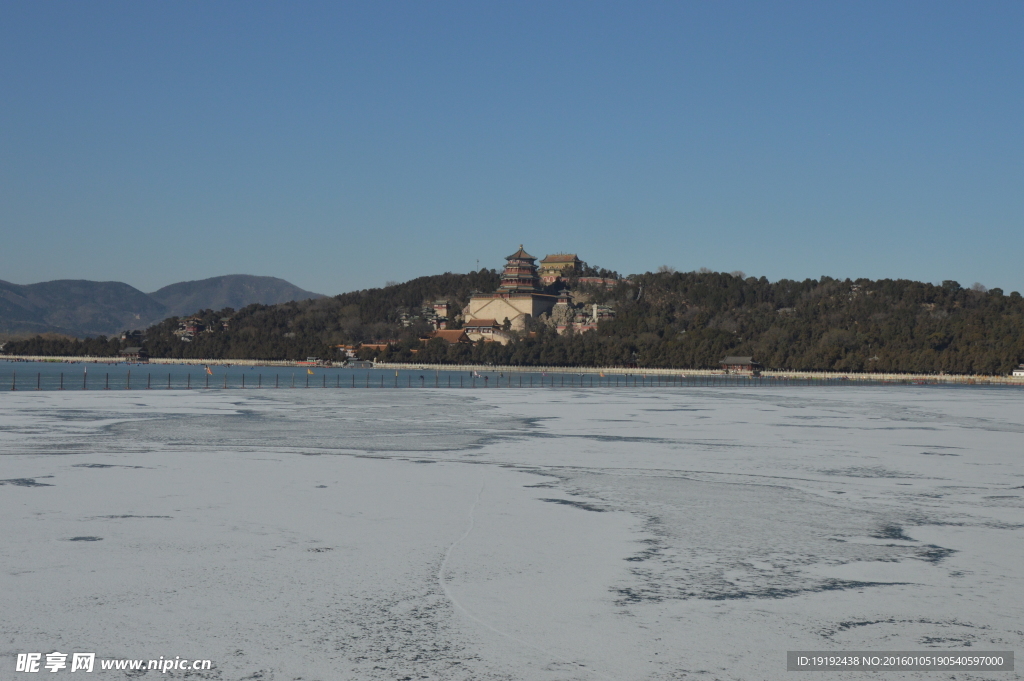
[510, 534]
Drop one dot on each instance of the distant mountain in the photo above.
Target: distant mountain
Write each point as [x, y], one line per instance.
[93, 308]
[232, 290]
[76, 307]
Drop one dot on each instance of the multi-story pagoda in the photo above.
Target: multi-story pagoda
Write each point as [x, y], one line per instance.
[518, 297]
[520, 273]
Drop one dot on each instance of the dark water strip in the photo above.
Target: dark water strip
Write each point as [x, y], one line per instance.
[21, 376]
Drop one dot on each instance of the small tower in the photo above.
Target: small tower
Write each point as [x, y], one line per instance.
[440, 314]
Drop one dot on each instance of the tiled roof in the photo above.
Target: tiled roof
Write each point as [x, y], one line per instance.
[560, 257]
[450, 335]
[520, 254]
[481, 322]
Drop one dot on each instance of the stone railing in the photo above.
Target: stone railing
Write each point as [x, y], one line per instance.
[778, 374]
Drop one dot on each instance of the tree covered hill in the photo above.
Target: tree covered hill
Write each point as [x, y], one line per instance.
[75, 307]
[693, 319]
[292, 330]
[664, 319]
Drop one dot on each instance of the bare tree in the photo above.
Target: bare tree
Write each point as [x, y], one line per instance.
[978, 287]
[666, 269]
[739, 274]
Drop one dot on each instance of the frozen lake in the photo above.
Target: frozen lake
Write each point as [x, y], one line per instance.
[521, 534]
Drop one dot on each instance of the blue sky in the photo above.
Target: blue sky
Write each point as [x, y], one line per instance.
[341, 145]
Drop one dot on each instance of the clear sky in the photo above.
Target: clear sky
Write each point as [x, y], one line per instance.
[341, 145]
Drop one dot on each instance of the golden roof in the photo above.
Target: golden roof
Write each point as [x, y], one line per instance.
[561, 257]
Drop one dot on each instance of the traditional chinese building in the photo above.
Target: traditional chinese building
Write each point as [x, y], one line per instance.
[741, 365]
[136, 354]
[486, 330]
[481, 327]
[450, 336]
[518, 298]
[559, 266]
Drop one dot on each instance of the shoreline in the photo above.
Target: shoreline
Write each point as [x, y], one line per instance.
[875, 377]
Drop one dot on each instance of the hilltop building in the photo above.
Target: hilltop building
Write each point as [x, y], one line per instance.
[560, 266]
[189, 328]
[518, 298]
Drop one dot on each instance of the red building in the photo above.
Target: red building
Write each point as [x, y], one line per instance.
[741, 365]
[451, 336]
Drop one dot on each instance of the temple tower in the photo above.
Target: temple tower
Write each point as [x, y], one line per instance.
[520, 273]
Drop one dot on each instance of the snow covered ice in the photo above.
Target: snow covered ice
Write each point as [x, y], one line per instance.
[511, 534]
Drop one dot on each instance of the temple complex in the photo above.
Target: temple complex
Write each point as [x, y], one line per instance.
[519, 296]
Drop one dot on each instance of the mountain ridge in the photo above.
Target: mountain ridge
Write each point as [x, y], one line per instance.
[82, 307]
[229, 290]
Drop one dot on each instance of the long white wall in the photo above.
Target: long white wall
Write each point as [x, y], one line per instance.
[153, 360]
[630, 371]
[797, 375]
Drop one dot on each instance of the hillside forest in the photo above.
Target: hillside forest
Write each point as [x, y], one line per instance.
[663, 319]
